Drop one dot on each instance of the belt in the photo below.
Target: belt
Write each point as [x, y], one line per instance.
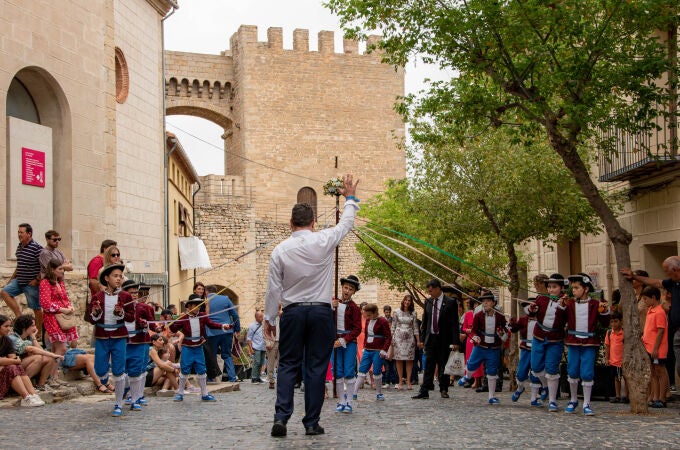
[549, 330]
[110, 325]
[493, 335]
[580, 333]
[193, 338]
[379, 336]
[296, 304]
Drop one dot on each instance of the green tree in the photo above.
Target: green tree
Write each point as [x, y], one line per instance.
[566, 68]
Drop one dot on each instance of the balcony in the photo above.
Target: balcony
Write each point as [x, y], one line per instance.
[636, 156]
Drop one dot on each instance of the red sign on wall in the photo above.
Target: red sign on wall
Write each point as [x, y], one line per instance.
[32, 167]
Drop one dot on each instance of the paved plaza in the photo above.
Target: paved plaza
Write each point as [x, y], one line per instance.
[243, 420]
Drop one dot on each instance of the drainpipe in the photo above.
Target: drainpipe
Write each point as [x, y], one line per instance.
[166, 293]
[193, 213]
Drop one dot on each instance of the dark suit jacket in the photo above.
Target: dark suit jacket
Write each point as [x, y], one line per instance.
[448, 322]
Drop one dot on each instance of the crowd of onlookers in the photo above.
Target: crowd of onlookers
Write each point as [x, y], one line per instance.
[28, 368]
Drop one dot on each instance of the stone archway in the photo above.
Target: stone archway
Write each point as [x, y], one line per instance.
[54, 112]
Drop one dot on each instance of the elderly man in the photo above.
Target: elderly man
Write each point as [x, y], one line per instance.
[300, 277]
[26, 277]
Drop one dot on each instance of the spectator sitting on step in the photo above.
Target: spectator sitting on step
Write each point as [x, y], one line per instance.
[36, 361]
[77, 360]
[161, 371]
[12, 374]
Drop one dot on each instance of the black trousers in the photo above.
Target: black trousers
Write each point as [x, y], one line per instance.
[212, 369]
[436, 355]
[306, 331]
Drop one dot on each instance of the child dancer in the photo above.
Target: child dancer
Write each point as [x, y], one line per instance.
[489, 334]
[137, 357]
[548, 342]
[348, 328]
[526, 325]
[192, 324]
[108, 311]
[378, 338]
[583, 313]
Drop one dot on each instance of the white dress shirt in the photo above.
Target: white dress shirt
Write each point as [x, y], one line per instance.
[301, 267]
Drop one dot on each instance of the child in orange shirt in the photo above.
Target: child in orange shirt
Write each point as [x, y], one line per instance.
[655, 340]
[613, 342]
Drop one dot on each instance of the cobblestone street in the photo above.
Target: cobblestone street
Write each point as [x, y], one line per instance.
[243, 419]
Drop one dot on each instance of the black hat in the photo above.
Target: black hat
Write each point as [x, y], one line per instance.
[129, 284]
[105, 271]
[449, 289]
[583, 278]
[487, 296]
[557, 278]
[353, 280]
[193, 298]
[144, 287]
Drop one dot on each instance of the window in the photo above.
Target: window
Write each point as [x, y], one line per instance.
[308, 195]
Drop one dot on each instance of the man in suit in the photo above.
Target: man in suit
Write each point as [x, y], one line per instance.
[439, 331]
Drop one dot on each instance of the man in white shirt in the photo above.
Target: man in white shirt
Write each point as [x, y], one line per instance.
[300, 277]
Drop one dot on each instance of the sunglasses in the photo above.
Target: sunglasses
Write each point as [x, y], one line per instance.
[115, 255]
[56, 239]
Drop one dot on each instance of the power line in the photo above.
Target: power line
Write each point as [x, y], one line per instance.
[230, 153]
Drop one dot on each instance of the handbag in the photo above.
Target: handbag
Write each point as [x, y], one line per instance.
[455, 365]
[66, 321]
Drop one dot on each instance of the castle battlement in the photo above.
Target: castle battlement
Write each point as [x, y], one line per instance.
[247, 36]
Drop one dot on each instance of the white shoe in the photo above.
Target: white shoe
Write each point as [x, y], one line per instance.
[32, 401]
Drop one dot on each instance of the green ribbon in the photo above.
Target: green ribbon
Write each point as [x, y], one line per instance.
[443, 252]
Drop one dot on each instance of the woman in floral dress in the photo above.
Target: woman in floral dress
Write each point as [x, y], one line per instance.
[54, 300]
[405, 337]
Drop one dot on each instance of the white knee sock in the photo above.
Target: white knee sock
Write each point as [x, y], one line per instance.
[492, 385]
[340, 388]
[351, 388]
[203, 383]
[378, 383]
[119, 384]
[359, 383]
[534, 391]
[182, 383]
[587, 392]
[520, 386]
[541, 376]
[553, 384]
[137, 387]
[573, 389]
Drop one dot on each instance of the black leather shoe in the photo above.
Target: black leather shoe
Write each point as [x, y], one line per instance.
[484, 388]
[421, 395]
[279, 428]
[313, 431]
[445, 394]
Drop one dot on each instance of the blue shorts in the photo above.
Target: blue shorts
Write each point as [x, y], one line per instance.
[491, 357]
[346, 359]
[113, 350]
[581, 362]
[32, 293]
[136, 359]
[70, 357]
[524, 366]
[546, 356]
[371, 358]
[192, 357]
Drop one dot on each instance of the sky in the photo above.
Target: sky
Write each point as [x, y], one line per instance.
[205, 26]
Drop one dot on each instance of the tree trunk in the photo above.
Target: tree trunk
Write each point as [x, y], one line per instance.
[636, 368]
[513, 273]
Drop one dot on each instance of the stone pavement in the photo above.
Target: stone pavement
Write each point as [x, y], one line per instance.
[242, 419]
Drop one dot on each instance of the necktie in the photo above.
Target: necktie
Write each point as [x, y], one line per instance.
[435, 317]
